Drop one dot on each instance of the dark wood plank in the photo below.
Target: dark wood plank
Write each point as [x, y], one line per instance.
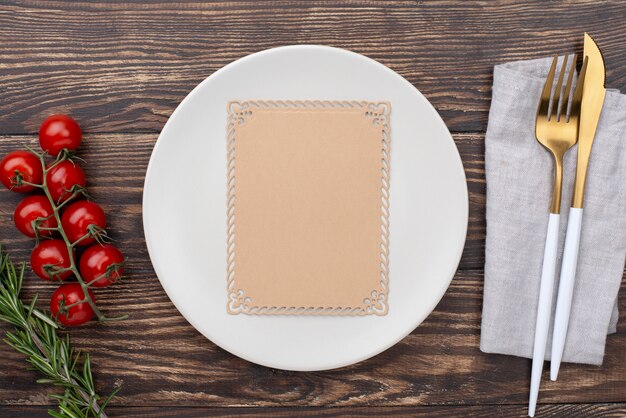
[116, 166]
[161, 360]
[487, 411]
[124, 66]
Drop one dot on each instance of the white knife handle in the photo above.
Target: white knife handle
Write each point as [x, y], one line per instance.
[566, 289]
[544, 309]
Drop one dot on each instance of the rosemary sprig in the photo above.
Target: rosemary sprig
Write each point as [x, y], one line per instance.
[35, 336]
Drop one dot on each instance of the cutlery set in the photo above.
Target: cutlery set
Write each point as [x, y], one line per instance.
[561, 123]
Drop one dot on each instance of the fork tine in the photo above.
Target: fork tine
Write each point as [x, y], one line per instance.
[578, 93]
[568, 87]
[544, 102]
[557, 91]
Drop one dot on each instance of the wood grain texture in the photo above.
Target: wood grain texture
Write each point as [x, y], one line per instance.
[116, 166]
[485, 411]
[124, 66]
[162, 360]
[121, 68]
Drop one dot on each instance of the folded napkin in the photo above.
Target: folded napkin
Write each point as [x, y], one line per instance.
[519, 181]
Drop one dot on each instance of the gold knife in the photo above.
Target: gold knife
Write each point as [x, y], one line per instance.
[593, 98]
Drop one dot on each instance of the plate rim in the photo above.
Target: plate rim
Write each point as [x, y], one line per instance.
[338, 364]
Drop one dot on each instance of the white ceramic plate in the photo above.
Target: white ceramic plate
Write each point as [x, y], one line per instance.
[184, 208]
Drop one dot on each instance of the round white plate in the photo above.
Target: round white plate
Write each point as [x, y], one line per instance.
[184, 208]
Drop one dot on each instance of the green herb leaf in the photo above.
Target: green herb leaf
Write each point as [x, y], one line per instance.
[35, 336]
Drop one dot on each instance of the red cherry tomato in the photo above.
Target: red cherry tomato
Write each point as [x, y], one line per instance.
[101, 260]
[31, 208]
[23, 164]
[62, 178]
[58, 132]
[71, 294]
[49, 255]
[77, 218]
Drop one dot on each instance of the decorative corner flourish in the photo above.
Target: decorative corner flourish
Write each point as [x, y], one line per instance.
[376, 302]
[238, 112]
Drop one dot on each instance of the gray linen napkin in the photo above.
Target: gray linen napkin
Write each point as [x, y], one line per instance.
[519, 181]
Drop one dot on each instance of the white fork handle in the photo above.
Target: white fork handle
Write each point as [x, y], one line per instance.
[566, 289]
[544, 309]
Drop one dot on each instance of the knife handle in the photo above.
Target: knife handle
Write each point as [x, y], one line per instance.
[544, 309]
[566, 289]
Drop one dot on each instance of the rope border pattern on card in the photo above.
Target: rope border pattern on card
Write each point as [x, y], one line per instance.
[374, 303]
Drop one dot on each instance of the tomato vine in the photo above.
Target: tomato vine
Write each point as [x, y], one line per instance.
[94, 232]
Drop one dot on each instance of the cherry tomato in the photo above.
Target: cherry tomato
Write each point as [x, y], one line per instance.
[31, 208]
[70, 294]
[78, 216]
[23, 164]
[62, 178]
[58, 132]
[101, 260]
[47, 256]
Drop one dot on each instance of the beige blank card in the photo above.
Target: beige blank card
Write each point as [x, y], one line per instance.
[308, 207]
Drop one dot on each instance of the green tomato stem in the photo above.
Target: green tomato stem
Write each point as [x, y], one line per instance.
[70, 245]
[28, 183]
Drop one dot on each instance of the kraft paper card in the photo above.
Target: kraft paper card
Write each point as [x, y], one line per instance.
[308, 207]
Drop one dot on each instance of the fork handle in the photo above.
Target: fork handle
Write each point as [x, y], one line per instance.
[544, 308]
[566, 289]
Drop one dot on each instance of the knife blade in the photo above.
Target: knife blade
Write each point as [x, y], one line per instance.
[593, 98]
[591, 108]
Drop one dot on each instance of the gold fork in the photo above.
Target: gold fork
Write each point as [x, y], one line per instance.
[557, 132]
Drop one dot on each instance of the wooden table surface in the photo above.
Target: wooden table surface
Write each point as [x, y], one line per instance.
[121, 68]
